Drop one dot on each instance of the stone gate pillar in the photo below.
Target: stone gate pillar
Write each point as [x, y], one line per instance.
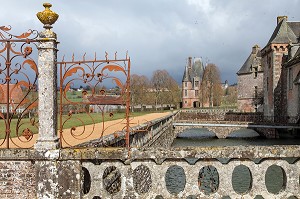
[47, 86]
[47, 169]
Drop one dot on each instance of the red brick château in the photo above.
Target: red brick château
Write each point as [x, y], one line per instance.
[191, 83]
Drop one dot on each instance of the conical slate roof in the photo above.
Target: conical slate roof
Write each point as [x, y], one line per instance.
[196, 70]
[198, 67]
[254, 56]
[186, 75]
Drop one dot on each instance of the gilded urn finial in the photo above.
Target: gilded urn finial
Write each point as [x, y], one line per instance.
[47, 17]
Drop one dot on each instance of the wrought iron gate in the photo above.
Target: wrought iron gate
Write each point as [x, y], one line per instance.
[18, 88]
[86, 103]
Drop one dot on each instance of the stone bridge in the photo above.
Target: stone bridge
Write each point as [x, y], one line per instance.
[223, 122]
[219, 131]
[224, 129]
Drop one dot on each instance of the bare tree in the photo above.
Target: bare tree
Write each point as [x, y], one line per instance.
[230, 96]
[139, 85]
[211, 89]
[165, 88]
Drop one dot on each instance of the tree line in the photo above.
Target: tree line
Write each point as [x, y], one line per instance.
[162, 88]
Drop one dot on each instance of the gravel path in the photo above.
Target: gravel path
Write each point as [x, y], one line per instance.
[91, 132]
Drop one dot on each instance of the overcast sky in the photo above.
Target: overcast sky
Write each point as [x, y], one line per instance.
[158, 34]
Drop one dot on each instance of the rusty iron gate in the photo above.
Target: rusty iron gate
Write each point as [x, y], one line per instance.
[18, 88]
[85, 102]
[19, 94]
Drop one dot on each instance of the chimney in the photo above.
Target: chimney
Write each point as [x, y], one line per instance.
[280, 18]
[255, 49]
[190, 62]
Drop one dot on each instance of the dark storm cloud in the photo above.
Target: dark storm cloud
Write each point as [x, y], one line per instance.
[159, 34]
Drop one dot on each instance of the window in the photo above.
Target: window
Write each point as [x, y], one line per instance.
[255, 92]
[185, 84]
[255, 72]
[290, 79]
[185, 92]
[196, 83]
[196, 93]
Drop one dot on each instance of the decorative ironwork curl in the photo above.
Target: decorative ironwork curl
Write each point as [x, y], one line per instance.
[91, 77]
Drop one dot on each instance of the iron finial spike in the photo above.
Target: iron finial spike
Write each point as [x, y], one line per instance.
[116, 55]
[73, 57]
[95, 56]
[83, 58]
[63, 59]
[106, 56]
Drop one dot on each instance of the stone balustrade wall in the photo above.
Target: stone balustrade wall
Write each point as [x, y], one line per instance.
[199, 172]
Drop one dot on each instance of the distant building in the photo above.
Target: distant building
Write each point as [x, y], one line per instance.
[224, 85]
[277, 94]
[250, 83]
[105, 103]
[15, 97]
[191, 83]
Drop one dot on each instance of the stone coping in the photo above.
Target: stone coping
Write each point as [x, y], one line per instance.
[159, 155]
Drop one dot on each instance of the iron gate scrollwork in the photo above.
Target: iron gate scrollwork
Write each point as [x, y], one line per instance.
[85, 101]
[18, 88]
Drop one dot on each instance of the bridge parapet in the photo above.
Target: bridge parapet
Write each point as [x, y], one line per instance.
[154, 133]
[201, 172]
[234, 116]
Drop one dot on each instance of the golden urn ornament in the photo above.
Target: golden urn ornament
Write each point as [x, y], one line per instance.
[47, 17]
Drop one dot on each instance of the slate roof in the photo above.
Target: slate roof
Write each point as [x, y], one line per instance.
[285, 32]
[195, 71]
[295, 59]
[106, 100]
[246, 68]
[186, 75]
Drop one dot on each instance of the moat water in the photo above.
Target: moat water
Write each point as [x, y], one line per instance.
[202, 137]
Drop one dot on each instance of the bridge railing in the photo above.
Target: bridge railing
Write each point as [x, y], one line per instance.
[142, 135]
[222, 115]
